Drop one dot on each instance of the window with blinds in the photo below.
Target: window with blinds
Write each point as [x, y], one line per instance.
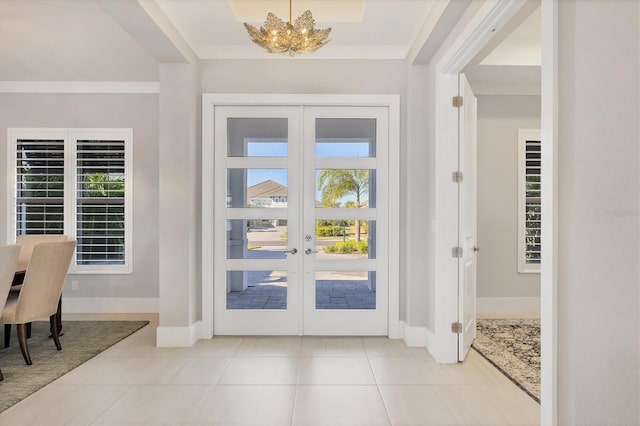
[75, 182]
[100, 202]
[530, 207]
[39, 171]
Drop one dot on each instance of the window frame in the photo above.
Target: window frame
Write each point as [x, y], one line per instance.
[71, 136]
[524, 135]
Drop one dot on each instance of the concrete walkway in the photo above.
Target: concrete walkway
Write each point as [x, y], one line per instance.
[270, 292]
[268, 289]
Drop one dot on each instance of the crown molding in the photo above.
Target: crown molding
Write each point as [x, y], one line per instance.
[116, 87]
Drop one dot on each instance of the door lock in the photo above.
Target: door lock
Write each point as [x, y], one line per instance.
[292, 251]
[309, 251]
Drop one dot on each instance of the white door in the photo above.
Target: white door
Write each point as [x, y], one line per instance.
[345, 186]
[467, 217]
[257, 220]
[295, 188]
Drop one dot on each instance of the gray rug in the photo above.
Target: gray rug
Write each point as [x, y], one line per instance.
[82, 340]
[513, 347]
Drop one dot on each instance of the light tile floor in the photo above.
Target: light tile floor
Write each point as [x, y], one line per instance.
[275, 381]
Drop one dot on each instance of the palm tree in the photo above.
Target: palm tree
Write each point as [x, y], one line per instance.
[337, 183]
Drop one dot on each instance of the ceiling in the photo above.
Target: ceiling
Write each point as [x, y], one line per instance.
[372, 29]
[510, 64]
[124, 40]
[68, 40]
[521, 47]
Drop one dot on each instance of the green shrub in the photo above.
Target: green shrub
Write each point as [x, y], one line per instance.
[330, 249]
[348, 247]
[329, 231]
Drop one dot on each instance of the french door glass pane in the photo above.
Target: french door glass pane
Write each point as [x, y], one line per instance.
[256, 238]
[345, 290]
[346, 239]
[345, 137]
[345, 188]
[256, 290]
[257, 137]
[257, 188]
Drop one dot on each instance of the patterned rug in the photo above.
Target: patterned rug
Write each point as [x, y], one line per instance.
[513, 347]
[82, 340]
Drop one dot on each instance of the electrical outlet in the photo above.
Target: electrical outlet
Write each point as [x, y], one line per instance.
[74, 285]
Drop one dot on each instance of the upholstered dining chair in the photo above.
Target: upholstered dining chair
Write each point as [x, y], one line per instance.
[40, 292]
[27, 243]
[8, 264]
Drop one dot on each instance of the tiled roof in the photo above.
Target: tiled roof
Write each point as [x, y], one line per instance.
[267, 189]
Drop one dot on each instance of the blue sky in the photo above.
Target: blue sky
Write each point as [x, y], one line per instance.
[279, 149]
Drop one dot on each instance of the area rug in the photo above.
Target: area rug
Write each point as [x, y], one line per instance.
[82, 340]
[513, 347]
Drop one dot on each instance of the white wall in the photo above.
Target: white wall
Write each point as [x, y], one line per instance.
[598, 260]
[419, 197]
[499, 118]
[139, 112]
[420, 165]
[179, 202]
[300, 75]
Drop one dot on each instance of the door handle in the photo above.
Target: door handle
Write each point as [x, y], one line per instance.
[309, 251]
[292, 251]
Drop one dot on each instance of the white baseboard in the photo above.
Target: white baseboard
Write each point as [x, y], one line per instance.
[109, 305]
[417, 336]
[396, 329]
[178, 337]
[487, 305]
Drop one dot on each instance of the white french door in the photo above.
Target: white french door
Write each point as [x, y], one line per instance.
[346, 293]
[301, 220]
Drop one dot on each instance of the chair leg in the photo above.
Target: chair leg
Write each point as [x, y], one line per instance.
[1, 376]
[22, 339]
[53, 321]
[59, 316]
[28, 330]
[7, 335]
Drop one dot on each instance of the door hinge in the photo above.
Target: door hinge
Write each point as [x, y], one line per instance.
[456, 252]
[456, 327]
[457, 176]
[457, 101]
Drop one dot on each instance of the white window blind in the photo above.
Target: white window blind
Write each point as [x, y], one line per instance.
[75, 182]
[39, 171]
[100, 202]
[530, 208]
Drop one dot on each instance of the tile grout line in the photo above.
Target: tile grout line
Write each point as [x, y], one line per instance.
[384, 404]
[129, 390]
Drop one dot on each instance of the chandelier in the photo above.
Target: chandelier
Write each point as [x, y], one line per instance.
[280, 37]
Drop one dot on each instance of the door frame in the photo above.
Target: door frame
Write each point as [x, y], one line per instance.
[472, 38]
[209, 103]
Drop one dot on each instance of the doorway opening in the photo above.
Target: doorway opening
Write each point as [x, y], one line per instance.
[471, 41]
[301, 208]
